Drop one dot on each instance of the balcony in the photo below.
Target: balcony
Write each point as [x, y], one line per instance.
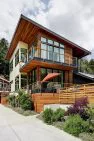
[48, 59]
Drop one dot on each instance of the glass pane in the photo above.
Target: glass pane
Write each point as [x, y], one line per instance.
[23, 55]
[44, 46]
[50, 55]
[56, 54]
[55, 57]
[50, 48]
[56, 43]
[43, 39]
[61, 45]
[43, 73]
[23, 81]
[17, 58]
[50, 41]
[61, 51]
[56, 50]
[62, 58]
[43, 54]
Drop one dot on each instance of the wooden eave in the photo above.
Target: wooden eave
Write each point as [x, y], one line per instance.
[27, 29]
[43, 63]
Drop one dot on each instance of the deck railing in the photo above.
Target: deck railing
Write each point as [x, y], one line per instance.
[68, 95]
[46, 87]
[52, 56]
[4, 87]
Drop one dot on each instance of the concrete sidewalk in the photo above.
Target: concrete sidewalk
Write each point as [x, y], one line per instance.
[15, 127]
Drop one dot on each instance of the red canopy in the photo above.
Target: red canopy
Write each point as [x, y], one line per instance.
[50, 76]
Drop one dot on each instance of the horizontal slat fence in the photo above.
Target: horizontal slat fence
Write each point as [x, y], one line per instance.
[68, 95]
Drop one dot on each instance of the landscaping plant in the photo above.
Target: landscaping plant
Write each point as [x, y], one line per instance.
[80, 107]
[58, 115]
[75, 125]
[47, 115]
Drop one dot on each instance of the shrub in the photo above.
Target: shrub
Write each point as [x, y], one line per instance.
[47, 115]
[11, 100]
[25, 102]
[75, 125]
[58, 115]
[80, 107]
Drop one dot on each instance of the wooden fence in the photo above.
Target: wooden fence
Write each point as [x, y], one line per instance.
[68, 95]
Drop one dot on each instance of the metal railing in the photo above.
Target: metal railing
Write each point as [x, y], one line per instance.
[52, 56]
[4, 87]
[46, 87]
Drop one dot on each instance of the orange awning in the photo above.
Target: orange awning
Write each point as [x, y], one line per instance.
[50, 76]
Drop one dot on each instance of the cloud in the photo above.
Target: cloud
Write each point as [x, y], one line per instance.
[73, 19]
[10, 11]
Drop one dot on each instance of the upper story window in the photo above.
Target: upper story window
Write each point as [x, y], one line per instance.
[50, 41]
[43, 51]
[24, 55]
[17, 58]
[33, 50]
[43, 39]
[61, 45]
[52, 50]
[56, 54]
[56, 43]
[11, 66]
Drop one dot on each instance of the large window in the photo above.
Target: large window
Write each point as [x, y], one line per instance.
[43, 73]
[43, 51]
[17, 58]
[61, 55]
[56, 54]
[17, 83]
[23, 80]
[11, 66]
[52, 50]
[23, 55]
[59, 78]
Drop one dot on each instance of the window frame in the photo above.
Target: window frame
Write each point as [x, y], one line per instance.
[17, 58]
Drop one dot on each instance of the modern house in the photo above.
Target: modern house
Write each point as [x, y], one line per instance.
[36, 51]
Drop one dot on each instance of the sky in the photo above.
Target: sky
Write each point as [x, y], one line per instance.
[72, 19]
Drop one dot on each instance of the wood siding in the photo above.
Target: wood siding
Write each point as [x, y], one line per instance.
[44, 98]
[69, 95]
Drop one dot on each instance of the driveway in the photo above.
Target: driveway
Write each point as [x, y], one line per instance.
[15, 127]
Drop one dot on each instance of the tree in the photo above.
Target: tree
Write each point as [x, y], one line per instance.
[87, 66]
[4, 64]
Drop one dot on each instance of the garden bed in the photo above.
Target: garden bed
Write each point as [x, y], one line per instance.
[21, 103]
[78, 120]
[19, 110]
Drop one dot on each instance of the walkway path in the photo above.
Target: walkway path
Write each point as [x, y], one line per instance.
[15, 127]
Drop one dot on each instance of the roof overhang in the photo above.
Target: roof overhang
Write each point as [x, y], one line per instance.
[27, 28]
[33, 63]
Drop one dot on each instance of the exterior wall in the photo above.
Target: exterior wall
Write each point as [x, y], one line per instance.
[16, 69]
[68, 55]
[68, 77]
[44, 98]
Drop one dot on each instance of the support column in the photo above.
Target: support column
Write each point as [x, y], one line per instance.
[38, 73]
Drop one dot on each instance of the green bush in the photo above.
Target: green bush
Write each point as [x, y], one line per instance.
[47, 115]
[11, 100]
[75, 125]
[58, 115]
[25, 102]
